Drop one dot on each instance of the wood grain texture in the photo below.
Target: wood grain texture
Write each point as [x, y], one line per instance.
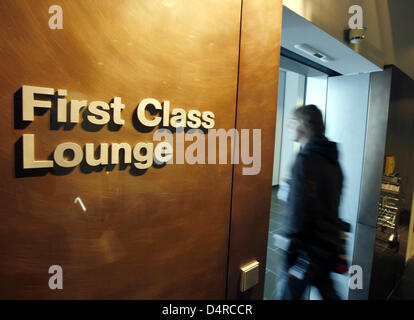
[256, 109]
[162, 234]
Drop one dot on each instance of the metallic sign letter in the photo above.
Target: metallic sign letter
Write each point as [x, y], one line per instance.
[141, 112]
[29, 102]
[29, 161]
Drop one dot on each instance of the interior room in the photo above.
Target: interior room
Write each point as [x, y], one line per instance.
[150, 150]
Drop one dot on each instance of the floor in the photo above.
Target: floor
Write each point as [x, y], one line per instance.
[274, 254]
[405, 287]
[403, 291]
[389, 270]
[388, 265]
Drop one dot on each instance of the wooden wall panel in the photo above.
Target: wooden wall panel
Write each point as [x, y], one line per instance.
[256, 109]
[143, 235]
[161, 234]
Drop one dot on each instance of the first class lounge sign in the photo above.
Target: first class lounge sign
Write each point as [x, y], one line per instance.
[99, 113]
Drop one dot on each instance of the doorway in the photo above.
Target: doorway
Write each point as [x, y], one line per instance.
[298, 85]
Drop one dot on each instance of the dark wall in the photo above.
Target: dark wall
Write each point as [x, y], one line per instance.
[389, 263]
[400, 131]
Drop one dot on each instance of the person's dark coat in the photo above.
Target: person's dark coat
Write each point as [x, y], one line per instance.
[312, 206]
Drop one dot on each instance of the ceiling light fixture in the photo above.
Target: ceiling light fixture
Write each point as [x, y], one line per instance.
[313, 52]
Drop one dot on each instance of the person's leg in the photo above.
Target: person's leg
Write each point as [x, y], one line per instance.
[291, 288]
[325, 286]
[292, 282]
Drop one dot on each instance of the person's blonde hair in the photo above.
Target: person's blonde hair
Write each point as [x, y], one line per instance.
[310, 120]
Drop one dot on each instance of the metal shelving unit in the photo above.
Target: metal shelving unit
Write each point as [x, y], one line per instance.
[388, 210]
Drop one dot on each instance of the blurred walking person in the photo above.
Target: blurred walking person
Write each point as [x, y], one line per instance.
[315, 246]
